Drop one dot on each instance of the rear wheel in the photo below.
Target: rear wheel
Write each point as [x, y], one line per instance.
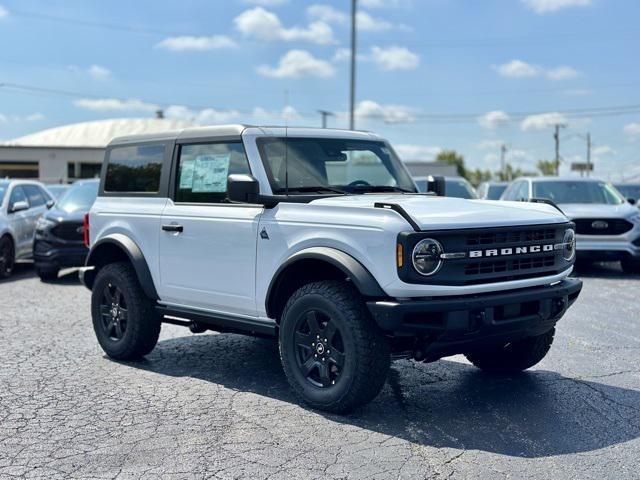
[630, 265]
[124, 318]
[334, 356]
[7, 257]
[514, 356]
[47, 275]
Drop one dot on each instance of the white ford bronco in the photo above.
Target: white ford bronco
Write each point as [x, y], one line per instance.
[318, 238]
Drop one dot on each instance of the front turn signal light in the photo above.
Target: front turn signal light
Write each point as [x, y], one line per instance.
[399, 255]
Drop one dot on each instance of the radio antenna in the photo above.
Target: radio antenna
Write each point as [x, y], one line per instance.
[286, 161]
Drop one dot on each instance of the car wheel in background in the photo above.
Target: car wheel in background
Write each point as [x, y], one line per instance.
[7, 256]
[124, 318]
[47, 275]
[334, 356]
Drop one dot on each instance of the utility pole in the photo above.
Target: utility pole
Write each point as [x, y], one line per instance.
[556, 137]
[588, 154]
[503, 164]
[325, 114]
[352, 95]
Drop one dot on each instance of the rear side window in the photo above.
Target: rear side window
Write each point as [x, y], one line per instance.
[36, 199]
[135, 169]
[203, 170]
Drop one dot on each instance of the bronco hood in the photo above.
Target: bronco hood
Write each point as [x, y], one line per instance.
[434, 213]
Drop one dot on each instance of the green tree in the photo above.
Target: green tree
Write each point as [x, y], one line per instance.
[547, 167]
[453, 158]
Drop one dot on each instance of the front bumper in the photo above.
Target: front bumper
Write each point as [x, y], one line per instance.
[53, 255]
[453, 325]
[617, 247]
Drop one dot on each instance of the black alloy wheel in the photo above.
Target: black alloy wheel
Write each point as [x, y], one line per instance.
[113, 312]
[319, 349]
[7, 257]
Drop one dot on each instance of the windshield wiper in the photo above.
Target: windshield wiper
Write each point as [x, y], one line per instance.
[316, 188]
[380, 188]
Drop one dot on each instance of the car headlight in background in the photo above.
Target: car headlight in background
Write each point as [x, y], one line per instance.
[426, 256]
[569, 245]
[44, 223]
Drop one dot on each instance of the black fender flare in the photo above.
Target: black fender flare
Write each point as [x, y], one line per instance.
[133, 252]
[363, 280]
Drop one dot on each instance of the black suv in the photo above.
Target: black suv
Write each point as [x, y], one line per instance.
[59, 238]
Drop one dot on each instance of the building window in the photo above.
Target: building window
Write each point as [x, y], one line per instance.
[19, 170]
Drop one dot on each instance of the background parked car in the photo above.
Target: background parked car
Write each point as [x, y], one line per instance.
[630, 190]
[59, 234]
[57, 189]
[455, 187]
[491, 190]
[22, 203]
[607, 226]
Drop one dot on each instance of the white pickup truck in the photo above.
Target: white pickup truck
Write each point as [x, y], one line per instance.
[318, 238]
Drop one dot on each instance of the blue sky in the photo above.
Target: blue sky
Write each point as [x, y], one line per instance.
[432, 74]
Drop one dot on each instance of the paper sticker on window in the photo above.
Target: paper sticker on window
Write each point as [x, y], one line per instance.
[186, 174]
[210, 173]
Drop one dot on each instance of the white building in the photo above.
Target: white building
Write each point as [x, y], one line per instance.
[63, 154]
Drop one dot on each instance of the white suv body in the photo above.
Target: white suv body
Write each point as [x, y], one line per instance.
[235, 266]
[22, 203]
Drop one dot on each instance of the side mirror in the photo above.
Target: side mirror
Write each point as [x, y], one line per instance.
[50, 204]
[242, 188]
[436, 185]
[632, 201]
[19, 206]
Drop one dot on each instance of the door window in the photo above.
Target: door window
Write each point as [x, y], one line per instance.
[203, 170]
[134, 169]
[17, 195]
[36, 199]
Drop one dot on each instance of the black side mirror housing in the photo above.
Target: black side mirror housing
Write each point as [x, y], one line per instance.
[632, 201]
[50, 204]
[242, 188]
[437, 185]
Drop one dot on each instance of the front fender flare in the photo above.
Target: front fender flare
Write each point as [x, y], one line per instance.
[133, 253]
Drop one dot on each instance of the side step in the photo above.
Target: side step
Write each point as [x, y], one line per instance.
[199, 321]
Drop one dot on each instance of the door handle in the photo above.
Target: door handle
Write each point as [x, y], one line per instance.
[173, 228]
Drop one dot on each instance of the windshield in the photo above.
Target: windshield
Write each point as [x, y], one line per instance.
[629, 191]
[57, 190]
[459, 188]
[78, 197]
[495, 192]
[578, 192]
[323, 165]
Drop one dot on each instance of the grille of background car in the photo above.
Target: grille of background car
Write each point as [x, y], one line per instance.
[68, 231]
[615, 226]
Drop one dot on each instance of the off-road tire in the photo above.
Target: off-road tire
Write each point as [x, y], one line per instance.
[47, 275]
[143, 322]
[366, 349]
[630, 265]
[514, 356]
[8, 259]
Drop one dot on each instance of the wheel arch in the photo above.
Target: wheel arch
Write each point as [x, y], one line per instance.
[314, 264]
[119, 247]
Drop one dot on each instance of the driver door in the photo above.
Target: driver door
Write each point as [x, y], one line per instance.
[19, 220]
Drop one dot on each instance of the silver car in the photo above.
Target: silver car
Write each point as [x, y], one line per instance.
[607, 225]
[22, 203]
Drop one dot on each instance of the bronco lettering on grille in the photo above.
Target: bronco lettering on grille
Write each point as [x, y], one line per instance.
[500, 252]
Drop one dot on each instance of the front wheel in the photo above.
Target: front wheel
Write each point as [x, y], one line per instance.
[514, 356]
[7, 257]
[334, 356]
[124, 319]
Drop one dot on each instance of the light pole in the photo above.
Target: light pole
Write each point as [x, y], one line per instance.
[352, 90]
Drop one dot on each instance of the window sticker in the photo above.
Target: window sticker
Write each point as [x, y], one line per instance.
[210, 173]
[186, 174]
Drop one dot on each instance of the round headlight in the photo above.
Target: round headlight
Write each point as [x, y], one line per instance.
[426, 256]
[569, 245]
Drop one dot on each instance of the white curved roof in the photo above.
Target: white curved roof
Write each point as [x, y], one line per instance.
[97, 133]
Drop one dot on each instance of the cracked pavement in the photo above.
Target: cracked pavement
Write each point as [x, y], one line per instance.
[218, 405]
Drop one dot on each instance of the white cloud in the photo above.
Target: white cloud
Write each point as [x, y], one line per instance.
[603, 150]
[493, 119]
[33, 117]
[562, 72]
[3, 12]
[632, 130]
[328, 14]
[417, 152]
[366, 22]
[266, 3]
[548, 6]
[207, 116]
[380, 3]
[542, 121]
[263, 25]
[115, 104]
[298, 63]
[489, 144]
[202, 43]
[368, 109]
[517, 69]
[99, 72]
[394, 58]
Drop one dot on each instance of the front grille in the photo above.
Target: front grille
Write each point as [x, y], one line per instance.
[500, 254]
[500, 238]
[68, 231]
[41, 247]
[602, 226]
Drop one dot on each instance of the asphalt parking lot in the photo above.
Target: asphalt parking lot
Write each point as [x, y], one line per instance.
[218, 405]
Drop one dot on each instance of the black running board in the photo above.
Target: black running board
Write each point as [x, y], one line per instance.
[216, 321]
